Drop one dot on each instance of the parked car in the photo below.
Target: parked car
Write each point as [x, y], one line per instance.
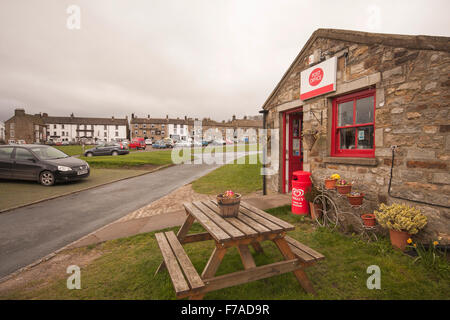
[169, 142]
[218, 142]
[196, 143]
[148, 142]
[182, 144]
[107, 149]
[159, 145]
[40, 163]
[137, 143]
[205, 143]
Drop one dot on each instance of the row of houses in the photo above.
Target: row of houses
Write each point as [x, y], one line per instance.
[41, 128]
[184, 129]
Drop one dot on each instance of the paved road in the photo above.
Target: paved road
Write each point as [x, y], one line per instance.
[30, 233]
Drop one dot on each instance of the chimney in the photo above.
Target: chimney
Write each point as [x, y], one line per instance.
[185, 117]
[71, 115]
[132, 116]
[112, 117]
[245, 117]
[148, 116]
[234, 117]
[19, 112]
[167, 116]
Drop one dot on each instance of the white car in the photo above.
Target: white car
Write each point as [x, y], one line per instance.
[182, 144]
[148, 142]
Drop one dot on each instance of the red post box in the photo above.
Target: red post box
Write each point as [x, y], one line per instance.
[301, 182]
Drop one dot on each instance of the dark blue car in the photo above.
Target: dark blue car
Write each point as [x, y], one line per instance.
[159, 145]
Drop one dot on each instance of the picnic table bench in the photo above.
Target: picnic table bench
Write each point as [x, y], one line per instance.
[250, 227]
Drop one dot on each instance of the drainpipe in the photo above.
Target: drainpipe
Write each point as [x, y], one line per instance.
[264, 113]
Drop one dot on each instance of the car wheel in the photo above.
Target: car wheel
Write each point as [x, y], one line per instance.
[115, 153]
[47, 178]
[89, 154]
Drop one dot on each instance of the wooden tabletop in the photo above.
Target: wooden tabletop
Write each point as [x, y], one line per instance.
[250, 222]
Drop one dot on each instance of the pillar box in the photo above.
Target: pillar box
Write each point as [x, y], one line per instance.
[301, 182]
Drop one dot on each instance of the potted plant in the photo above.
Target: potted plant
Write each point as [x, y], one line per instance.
[343, 186]
[368, 219]
[314, 208]
[355, 198]
[330, 183]
[402, 222]
[228, 203]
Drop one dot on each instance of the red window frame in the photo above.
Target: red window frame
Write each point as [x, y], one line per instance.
[335, 139]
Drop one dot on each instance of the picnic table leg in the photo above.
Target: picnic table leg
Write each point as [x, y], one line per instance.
[180, 235]
[257, 247]
[211, 268]
[299, 274]
[246, 257]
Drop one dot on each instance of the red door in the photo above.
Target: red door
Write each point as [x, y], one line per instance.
[295, 148]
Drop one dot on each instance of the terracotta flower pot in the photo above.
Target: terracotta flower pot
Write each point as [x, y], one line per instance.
[399, 238]
[368, 219]
[316, 211]
[330, 184]
[344, 189]
[356, 200]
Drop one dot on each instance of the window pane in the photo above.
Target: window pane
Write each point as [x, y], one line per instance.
[295, 127]
[5, 153]
[364, 110]
[345, 114]
[365, 137]
[22, 154]
[347, 138]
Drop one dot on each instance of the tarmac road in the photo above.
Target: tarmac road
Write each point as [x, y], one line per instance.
[30, 233]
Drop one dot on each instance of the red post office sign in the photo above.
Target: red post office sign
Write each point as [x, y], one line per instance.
[319, 79]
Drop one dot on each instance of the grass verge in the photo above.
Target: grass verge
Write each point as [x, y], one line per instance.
[14, 193]
[125, 267]
[242, 178]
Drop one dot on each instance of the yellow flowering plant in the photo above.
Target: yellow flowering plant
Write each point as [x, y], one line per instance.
[400, 217]
[430, 256]
[335, 176]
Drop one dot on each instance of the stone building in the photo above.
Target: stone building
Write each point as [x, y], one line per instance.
[361, 94]
[24, 127]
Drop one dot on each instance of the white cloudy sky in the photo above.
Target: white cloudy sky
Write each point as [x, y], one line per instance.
[201, 58]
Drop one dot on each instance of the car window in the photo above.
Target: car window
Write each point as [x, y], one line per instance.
[48, 153]
[5, 153]
[23, 154]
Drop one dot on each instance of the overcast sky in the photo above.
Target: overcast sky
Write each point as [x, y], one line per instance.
[211, 58]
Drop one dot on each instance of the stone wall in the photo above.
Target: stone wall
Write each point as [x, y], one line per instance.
[412, 112]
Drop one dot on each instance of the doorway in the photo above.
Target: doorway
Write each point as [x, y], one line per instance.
[292, 143]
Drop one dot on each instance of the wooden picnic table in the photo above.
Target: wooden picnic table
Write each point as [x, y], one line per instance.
[250, 227]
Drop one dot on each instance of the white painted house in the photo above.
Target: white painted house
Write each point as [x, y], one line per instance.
[2, 131]
[76, 129]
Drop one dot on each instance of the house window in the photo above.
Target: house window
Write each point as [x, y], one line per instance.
[105, 135]
[105, 127]
[62, 126]
[136, 126]
[135, 132]
[153, 125]
[353, 124]
[117, 127]
[145, 126]
[54, 126]
[117, 134]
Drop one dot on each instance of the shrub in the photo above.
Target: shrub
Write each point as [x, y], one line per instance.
[401, 217]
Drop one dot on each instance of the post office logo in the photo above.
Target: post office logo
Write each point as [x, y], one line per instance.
[315, 77]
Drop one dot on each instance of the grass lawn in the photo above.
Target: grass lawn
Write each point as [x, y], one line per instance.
[72, 150]
[241, 178]
[15, 193]
[133, 159]
[125, 268]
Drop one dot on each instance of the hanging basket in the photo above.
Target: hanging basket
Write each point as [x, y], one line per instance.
[308, 140]
[229, 207]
